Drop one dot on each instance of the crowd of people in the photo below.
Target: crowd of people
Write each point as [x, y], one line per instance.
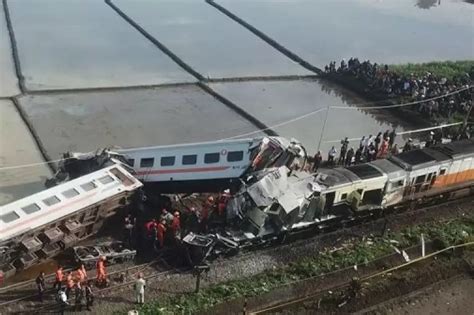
[73, 289]
[371, 148]
[381, 80]
[168, 228]
[67, 284]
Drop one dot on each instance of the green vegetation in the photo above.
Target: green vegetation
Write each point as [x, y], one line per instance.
[447, 69]
[359, 252]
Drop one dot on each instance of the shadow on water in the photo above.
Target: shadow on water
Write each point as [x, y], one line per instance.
[351, 99]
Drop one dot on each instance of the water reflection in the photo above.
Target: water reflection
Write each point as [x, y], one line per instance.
[281, 101]
[427, 4]
[207, 40]
[130, 118]
[383, 31]
[84, 43]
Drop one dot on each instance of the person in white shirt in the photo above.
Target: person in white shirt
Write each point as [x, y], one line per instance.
[140, 285]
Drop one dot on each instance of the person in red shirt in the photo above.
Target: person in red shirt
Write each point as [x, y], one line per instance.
[160, 233]
[101, 272]
[149, 226]
[69, 283]
[59, 278]
[176, 225]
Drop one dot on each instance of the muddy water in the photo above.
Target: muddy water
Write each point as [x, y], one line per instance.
[382, 31]
[207, 40]
[83, 43]
[275, 103]
[17, 147]
[130, 119]
[8, 80]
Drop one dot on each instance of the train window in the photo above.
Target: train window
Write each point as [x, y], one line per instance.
[88, 186]
[9, 217]
[31, 208]
[429, 177]
[210, 158]
[122, 177]
[343, 196]
[106, 179]
[167, 161]
[442, 172]
[189, 159]
[420, 179]
[51, 201]
[70, 193]
[131, 162]
[235, 156]
[147, 162]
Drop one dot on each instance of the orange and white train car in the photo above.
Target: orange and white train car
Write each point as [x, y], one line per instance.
[444, 171]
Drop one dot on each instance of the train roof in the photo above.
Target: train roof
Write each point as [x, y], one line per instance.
[391, 169]
[420, 158]
[365, 171]
[457, 148]
[335, 177]
[62, 200]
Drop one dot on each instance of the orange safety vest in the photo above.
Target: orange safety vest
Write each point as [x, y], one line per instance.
[59, 275]
[175, 225]
[80, 275]
[69, 281]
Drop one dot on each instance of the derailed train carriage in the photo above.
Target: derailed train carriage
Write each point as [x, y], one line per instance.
[275, 203]
[43, 224]
[90, 187]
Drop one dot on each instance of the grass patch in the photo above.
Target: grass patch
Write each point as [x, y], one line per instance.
[357, 253]
[447, 69]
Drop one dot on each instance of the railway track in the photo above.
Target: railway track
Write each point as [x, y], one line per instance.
[369, 272]
[22, 297]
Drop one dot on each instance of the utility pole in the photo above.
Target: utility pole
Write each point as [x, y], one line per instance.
[324, 127]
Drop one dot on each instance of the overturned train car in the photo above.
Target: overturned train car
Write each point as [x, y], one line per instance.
[41, 225]
[276, 203]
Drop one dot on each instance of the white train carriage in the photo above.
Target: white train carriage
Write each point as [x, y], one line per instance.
[43, 223]
[196, 165]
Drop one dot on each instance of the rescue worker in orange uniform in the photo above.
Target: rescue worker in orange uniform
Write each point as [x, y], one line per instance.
[58, 281]
[149, 226]
[101, 272]
[222, 204]
[160, 233]
[176, 225]
[81, 274]
[69, 283]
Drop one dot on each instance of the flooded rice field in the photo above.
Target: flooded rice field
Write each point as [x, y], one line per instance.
[278, 102]
[207, 40]
[382, 31]
[17, 147]
[142, 117]
[82, 44]
[8, 79]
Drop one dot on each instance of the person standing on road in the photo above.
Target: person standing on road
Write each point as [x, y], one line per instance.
[89, 295]
[140, 285]
[62, 300]
[69, 283]
[79, 297]
[40, 285]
